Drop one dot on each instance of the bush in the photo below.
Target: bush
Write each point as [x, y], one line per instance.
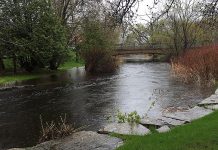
[132, 117]
[97, 47]
[99, 61]
[197, 65]
[35, 38]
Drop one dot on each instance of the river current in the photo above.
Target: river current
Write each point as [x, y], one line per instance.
[91, 100]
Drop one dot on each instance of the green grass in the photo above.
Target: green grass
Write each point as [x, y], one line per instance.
[10, 77]
[69, 63]
[201, 134]
[19, 77]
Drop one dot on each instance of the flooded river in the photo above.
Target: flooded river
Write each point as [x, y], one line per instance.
[90, 100]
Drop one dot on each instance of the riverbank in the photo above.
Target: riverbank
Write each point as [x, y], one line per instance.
[83, 92]
[197, 65]
[200, 134]
[10, 78]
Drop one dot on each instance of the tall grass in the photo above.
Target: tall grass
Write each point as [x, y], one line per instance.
[56, 130]
[198, 65]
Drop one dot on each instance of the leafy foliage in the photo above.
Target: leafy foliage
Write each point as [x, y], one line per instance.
[32, 34]
[97, 46]
[132, 117]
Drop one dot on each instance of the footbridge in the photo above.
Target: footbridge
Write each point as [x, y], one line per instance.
[140, 49]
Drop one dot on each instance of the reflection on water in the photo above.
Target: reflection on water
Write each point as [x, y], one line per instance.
[89, 100]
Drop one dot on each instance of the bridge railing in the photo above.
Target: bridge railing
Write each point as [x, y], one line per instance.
[135, 46]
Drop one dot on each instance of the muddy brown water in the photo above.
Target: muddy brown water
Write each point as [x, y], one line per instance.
[91, 99]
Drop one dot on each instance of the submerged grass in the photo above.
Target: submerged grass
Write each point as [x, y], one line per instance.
[9, 78]
[199, 135]
[19, 77]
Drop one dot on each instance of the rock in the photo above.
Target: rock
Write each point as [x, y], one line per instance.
[159, 121]
[213, 99]
[175, 109]
[152, 121]
[17, 149]
[125, 128]
[45, 146]
[210, 102]
[163, 129]
[216, 92]
[212, 107]
[172, 122]
[189, 115]
[84, 140]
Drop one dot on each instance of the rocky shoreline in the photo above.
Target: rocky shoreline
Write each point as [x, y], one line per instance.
[101, 140]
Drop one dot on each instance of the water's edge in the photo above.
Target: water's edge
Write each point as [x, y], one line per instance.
[147, 88]
[65, 141]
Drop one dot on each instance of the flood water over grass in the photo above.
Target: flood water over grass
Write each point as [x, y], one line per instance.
[91, 99]
[10, 77]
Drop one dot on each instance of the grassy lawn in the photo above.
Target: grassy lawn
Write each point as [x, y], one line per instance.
[201, 134]
[70, 63]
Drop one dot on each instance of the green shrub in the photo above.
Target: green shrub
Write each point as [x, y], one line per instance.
[97, 47]
[132, 117]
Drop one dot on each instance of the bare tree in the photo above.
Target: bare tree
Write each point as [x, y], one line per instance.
[67, 9]
[210, 17]
[183, 16]
[121, 9]
[152, 17]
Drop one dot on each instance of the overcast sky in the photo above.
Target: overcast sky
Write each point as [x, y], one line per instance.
[142, 9]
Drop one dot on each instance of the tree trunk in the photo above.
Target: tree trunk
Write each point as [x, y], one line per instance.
[77, 56]
[2, 66]
[185, 46]
[53, 64]
[15, 63]
[185, 38]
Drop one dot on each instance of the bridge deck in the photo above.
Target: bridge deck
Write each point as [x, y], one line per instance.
[140, 51]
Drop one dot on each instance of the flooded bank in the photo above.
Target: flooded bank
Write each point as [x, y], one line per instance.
[90, 100]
